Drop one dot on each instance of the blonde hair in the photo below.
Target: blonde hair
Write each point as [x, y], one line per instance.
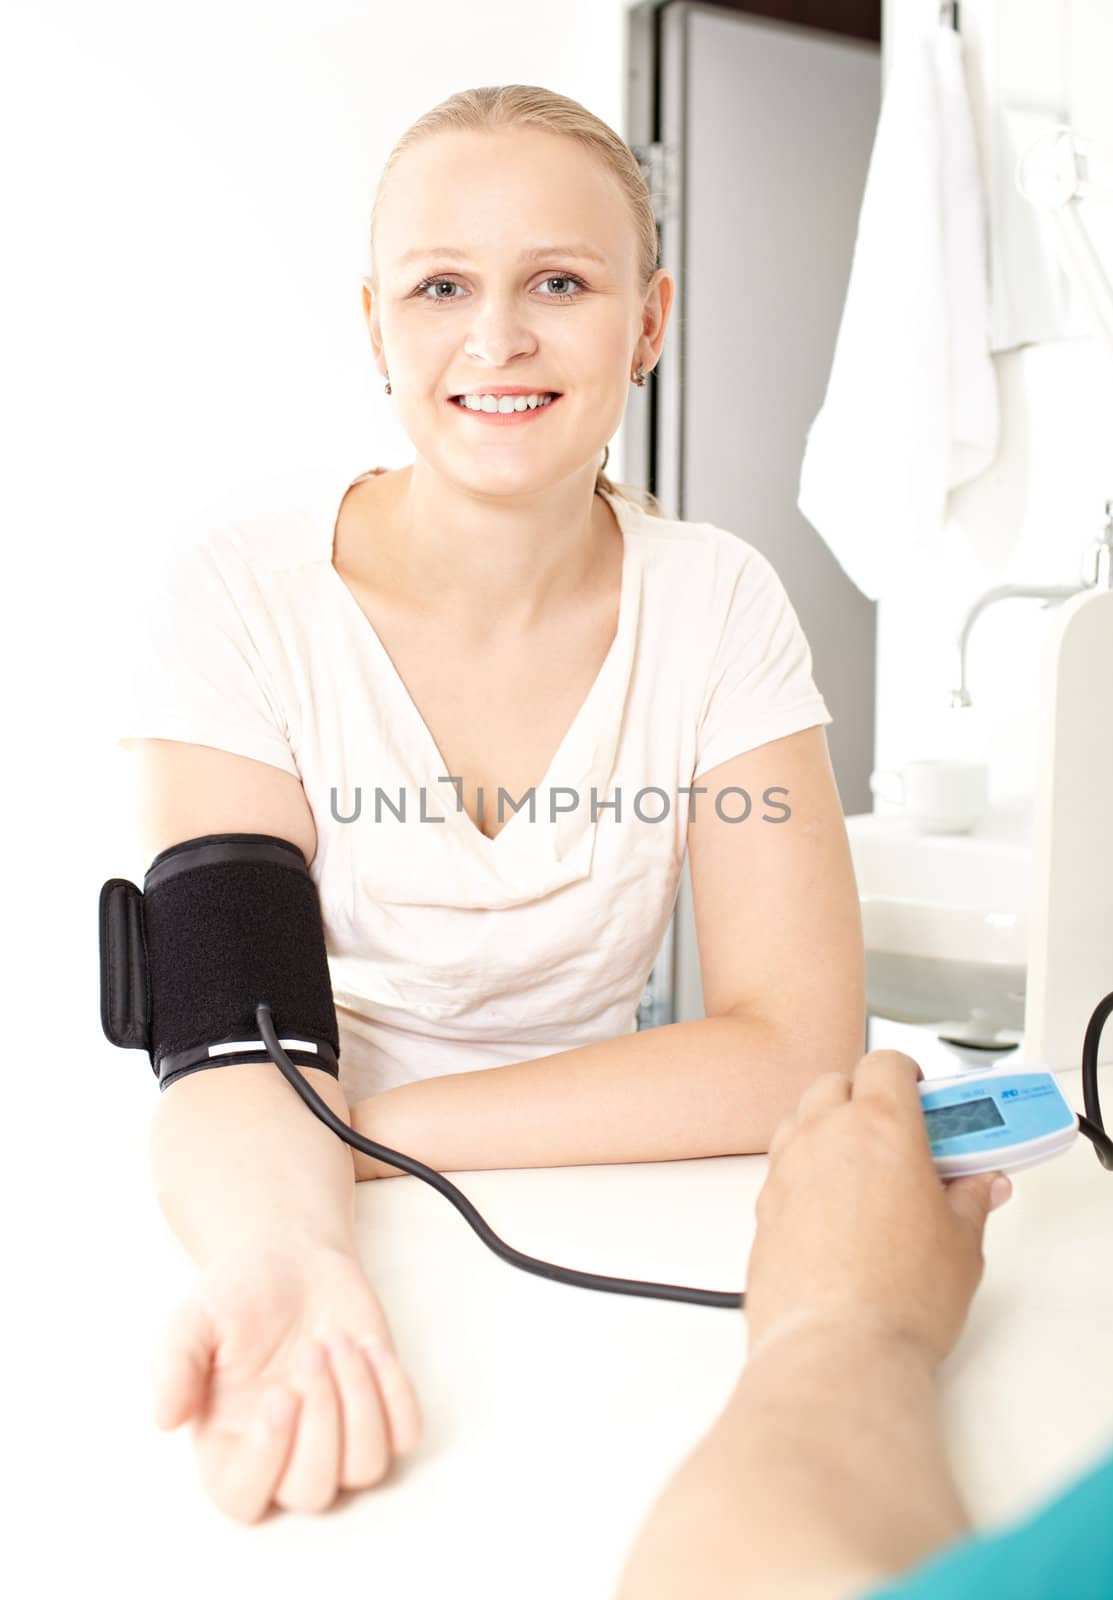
[525, 105]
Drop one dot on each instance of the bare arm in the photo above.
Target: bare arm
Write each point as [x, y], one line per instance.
[783, 964]
[826, 1472]
[717, 1086]
[824, 1475]
[236, 1156]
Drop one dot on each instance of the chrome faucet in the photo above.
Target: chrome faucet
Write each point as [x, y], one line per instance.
[1100, 565]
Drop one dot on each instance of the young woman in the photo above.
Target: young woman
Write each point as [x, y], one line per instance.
[494, 701]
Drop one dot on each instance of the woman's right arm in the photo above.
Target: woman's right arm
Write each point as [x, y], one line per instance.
[237, 1157]
[261, 1194]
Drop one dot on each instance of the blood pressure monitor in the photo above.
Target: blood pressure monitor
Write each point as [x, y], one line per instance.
[995, 1121]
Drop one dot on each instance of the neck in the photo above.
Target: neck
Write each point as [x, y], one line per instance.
[517, 558]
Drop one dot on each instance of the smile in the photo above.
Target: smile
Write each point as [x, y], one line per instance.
[503, 410]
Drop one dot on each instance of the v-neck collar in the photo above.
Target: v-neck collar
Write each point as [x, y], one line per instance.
[585, 755]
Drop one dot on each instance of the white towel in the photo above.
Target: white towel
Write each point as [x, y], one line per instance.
[911, 404]
[1031, 298]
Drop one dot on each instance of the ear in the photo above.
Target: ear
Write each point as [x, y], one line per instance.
[371, 317]
[655, 310]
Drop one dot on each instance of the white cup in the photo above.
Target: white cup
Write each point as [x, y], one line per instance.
[939, 796]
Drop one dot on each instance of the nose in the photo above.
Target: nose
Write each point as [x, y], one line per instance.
[499, 332]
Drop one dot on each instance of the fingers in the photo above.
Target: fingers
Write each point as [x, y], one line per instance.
[365, 1443]
[347, 1428]
[974, 1198]
[309, 1481]
[782, 1133]
[888, 1080]
[398, 1395]
[824, 1094]
[888, 1075]
[830, 1090]
[241, 1480]
[181, 1367]
[333, 1428]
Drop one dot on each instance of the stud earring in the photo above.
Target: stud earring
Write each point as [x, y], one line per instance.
[388, 388]
[639, 377]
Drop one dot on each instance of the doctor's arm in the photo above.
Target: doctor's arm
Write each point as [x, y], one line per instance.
[780, 945]
[826, 1474]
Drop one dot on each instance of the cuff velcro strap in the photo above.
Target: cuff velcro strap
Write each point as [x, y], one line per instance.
[224, 922]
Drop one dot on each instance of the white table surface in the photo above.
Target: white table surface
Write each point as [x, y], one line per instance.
[553, 1414]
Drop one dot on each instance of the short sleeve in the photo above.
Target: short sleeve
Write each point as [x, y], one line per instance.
[760, 685]
[188, 662]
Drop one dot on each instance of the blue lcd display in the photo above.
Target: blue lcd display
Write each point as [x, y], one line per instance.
[969, 1116]
[995, 1113]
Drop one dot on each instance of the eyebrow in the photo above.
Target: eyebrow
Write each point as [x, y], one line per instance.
[583, 251]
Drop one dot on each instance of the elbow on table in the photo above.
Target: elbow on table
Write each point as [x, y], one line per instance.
[804, 1051]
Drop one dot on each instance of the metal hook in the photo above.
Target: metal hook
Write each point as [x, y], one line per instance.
[948, 13]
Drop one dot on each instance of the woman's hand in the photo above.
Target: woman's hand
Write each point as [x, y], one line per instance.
[855, 1227]
[267, 1426]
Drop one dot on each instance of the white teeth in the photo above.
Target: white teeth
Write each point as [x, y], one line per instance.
[505, 402]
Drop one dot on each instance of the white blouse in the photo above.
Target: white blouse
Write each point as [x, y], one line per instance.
[449, 950]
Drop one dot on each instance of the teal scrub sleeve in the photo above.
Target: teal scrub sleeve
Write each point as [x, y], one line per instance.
[1066, 1548]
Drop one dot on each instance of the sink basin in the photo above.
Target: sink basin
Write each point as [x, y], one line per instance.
[944, 918]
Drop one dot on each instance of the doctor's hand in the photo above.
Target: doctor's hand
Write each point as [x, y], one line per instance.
[268, 1426]
[855, 1226]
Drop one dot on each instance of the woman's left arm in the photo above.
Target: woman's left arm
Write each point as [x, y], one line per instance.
[779, 932]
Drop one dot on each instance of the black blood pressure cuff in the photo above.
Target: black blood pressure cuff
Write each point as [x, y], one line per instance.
[223, 922]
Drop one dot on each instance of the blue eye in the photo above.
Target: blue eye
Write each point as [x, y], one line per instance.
[444, 299]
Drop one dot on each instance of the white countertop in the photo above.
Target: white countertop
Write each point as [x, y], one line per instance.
[553, 1414]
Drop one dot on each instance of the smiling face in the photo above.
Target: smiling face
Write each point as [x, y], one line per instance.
[462, 306]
